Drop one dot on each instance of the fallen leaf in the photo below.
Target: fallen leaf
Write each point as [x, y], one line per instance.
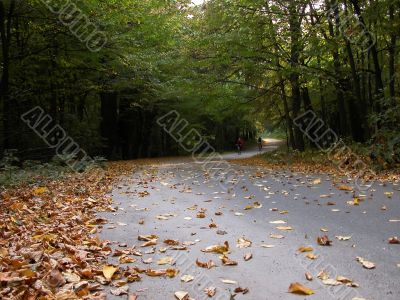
[344, 280]
[345, 188]
[165, 261]
[317, 181]
[208, 265]
[278, 222]
[324, 241]
[309, 277]
[297, 288]
[55, 279]
[366, 264]
[240, 290]
[267, 246]
[172, 242]
[220, 249]
[248, 256]
[149, 243]
[311, 256]
[228, 281]
[394, 240]
[276, 236]
[108, 271]
[123, 290]
[303, 249]
[323, 275]
[181, 295]
[187, 278]
[226, 261]
[331, 282]
[147, 238]
[210, 291]
[40, 190]
[343, 238]
[243, 243]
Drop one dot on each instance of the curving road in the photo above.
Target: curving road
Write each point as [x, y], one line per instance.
[168, 198]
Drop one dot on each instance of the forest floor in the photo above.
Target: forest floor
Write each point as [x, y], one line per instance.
[152, 228]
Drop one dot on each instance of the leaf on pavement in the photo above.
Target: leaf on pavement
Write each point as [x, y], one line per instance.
[226, 261]
[248, 256]
[276, 236]
[324, 241]
[303, 249]
[298, 288]
[210, 291]
[228, 281]
[165, 261]
[108, 271]
[219, 249]
[243, 243]
[181, 295]
[343, 238]
[123, 290]
[366, 264]
[208, 265]
[187, 278]
[344, 187]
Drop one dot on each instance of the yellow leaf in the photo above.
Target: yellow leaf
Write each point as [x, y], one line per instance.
[108, 271]
[303, 249]
[40, 190]
[297, 288]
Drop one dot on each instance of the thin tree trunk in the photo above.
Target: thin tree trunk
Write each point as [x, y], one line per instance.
[295, 34]
[392, 57]
[5, 32]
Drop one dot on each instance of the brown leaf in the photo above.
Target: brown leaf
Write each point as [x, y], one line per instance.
[226, 261]
[211, 291]
[171, 242]
[324, 241]
[394, 240]
[55, 279]
[208, 265]
[241, 290]
[303, 249]
[345, 188]
[220, 249]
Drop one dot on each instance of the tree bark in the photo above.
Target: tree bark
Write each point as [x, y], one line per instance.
[295, 35]
[5, 32]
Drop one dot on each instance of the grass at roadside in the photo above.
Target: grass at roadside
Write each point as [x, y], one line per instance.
[316, 161]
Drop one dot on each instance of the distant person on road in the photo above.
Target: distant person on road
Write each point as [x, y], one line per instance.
[259, 143]
[239, 145]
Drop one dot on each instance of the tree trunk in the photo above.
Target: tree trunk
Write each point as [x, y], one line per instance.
[5, 32]
[379, 92]
[295, 34]
[392, 57]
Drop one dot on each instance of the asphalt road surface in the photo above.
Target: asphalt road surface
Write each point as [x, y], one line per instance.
[167, 199]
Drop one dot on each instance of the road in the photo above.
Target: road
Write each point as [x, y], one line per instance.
[166, 199]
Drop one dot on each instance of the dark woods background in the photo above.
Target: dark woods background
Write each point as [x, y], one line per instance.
[226, 67]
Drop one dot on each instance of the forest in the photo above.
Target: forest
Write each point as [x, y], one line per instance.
[199, 149]
[105, 71]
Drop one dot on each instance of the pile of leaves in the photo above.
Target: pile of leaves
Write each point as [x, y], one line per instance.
[47, 248]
